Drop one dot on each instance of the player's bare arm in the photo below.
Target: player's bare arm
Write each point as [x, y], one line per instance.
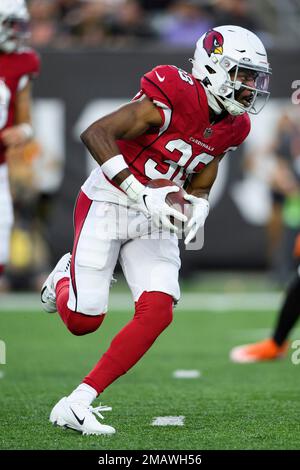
[22, 130]
[201, 183]
[128, 122]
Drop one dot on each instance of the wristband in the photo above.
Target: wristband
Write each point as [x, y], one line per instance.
[132, 187]
[113, 166]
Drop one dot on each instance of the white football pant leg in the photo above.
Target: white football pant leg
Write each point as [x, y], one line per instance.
[94, 260]
[6, 215]
[151, 265]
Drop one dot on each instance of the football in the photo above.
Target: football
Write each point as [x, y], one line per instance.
[175, 200]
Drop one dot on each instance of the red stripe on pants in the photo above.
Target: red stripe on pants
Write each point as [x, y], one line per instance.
[82, 207]
[77, 323]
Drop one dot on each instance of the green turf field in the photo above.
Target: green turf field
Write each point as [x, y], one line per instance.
[230, 407]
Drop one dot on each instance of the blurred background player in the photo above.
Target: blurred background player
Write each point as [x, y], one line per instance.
[162, 133]
[270, 192]
[17, 67]
[276, 346]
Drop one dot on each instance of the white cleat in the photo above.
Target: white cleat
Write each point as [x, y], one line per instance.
[80, 417]
[48, 295]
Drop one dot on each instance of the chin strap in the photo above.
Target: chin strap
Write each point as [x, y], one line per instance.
[212, 101]
[216, 102]
[232, 108]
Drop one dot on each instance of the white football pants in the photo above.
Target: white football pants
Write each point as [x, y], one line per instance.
[106, 232]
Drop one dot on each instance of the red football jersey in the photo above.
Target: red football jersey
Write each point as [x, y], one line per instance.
[13, 67]
[186, 141]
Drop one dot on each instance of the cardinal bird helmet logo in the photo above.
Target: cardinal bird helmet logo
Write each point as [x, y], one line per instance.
[213, 42]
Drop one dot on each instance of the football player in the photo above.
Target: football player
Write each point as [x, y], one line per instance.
[275, 347]
[178, 127]
[18, 65]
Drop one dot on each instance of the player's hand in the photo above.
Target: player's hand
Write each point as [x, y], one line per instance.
[200, 212]
[152, 202]
[14, 136]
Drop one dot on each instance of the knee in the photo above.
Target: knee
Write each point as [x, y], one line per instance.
[164, 305]
[158, 307]
[79, 324]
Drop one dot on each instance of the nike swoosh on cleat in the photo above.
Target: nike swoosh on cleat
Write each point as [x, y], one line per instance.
[161, 79]
[80, 421]
[43, 302]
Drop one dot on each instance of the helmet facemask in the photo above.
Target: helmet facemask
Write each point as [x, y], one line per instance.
[14, 25]
[231, 90]
[13, 33]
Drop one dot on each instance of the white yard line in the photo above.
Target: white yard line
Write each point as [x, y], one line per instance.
[168, 421]
[186, 374]
[218, 303]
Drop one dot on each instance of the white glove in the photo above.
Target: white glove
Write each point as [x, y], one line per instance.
[200, 212]
[152, 202]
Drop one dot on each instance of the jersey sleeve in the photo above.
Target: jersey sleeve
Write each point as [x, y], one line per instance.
[29, 64]
[160, 85]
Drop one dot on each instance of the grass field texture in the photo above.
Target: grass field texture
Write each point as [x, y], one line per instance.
[230, 406]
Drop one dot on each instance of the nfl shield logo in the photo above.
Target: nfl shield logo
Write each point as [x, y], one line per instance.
[207, 133]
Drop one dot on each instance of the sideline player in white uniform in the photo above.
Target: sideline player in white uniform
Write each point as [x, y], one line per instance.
[177, 127]
[18, 65]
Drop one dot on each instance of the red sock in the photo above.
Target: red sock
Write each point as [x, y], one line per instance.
[153, 313]
[2, 267]
[77, 323]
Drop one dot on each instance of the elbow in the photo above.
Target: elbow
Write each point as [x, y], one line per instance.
[83, 136]
[88, 136]
[95, 139]
[93, 133]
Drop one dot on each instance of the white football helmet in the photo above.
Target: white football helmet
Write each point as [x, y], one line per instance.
[14, 19]
[220, 56]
